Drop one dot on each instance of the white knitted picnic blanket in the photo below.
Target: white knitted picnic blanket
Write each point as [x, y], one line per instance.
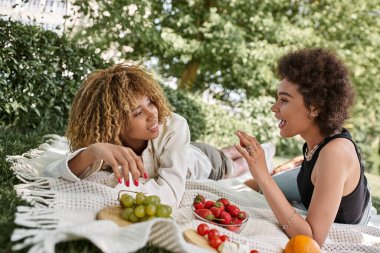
[64, 211]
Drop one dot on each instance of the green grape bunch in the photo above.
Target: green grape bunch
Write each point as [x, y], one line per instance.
[142, 208]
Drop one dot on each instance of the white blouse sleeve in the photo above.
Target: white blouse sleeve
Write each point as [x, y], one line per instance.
[170, 184]
[60, 168]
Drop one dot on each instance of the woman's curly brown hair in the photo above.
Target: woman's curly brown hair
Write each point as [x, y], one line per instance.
[323, 81]
[102, 107]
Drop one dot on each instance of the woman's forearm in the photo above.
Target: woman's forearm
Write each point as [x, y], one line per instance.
[81, 162]
[290, 221]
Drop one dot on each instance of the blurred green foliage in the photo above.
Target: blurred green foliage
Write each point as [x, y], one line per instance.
[365, 128]
[39, 75]
[251, 115]
[189, 107]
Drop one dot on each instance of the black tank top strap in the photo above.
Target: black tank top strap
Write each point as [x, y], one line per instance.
[344, 134]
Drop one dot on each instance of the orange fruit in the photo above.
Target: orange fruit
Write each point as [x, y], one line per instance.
[302, 244]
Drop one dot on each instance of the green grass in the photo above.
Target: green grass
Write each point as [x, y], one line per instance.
[16, 142]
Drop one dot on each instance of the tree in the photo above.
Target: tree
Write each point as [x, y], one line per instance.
[230, 43]
[235, 44]
[40, 72]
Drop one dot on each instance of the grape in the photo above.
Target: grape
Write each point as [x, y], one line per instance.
[133, 218]
[153, 199]
[169, 210]
[163, 211]
[143, 208]
[126, 213]
[140, 211]
[140, 197]
[150, 209]
[126, 200]
[145, 218]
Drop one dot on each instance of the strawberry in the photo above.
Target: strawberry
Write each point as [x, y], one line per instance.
[205, 214]
[236, 221]
[224, 201]
[209, 204]
[199, 205]
[233, 228]
[224, 238]
[199, 199]
[233, 210]
[225, 217]
[219, 205]
[242, 215]
[216, 211]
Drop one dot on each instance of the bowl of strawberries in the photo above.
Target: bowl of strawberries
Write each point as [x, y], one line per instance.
[220, 212]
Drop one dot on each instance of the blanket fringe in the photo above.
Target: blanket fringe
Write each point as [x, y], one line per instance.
[29, 237]
[35, 191]
[28, 164]
[33, 217]
[21, 233]
[39, 221]
[41, 183]
[53, 141]
[22, 168]
[26, 234]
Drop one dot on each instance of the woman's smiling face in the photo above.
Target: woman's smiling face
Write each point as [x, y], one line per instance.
[143, 124]
[290, 109]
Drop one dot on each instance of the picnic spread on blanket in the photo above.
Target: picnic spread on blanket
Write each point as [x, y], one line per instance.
[62, 211]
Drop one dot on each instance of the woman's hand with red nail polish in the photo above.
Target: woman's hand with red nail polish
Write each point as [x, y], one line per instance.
[123, 160]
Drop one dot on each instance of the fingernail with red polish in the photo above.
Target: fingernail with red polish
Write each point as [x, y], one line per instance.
[136, 182]
[145, 175]
[127, 183]
[119, 180]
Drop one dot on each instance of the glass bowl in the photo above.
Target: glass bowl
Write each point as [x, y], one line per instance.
[237, 228]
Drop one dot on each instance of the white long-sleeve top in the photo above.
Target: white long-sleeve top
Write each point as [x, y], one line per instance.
[168, 159]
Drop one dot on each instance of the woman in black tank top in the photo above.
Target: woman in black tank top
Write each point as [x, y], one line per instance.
[353, 205]
[313, 99]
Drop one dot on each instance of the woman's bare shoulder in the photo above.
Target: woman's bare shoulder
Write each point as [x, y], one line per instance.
[340, 147]
[338, 155]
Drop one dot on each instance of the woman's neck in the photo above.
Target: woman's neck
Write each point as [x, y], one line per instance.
[313, 138]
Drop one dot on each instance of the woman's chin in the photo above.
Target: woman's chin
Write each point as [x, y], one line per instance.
[155, 134]
[285, 134]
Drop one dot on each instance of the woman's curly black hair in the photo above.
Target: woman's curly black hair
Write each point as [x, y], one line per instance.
[323, 81]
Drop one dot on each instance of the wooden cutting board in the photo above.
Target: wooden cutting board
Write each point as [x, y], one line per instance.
[191, 236]
[113, 213]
